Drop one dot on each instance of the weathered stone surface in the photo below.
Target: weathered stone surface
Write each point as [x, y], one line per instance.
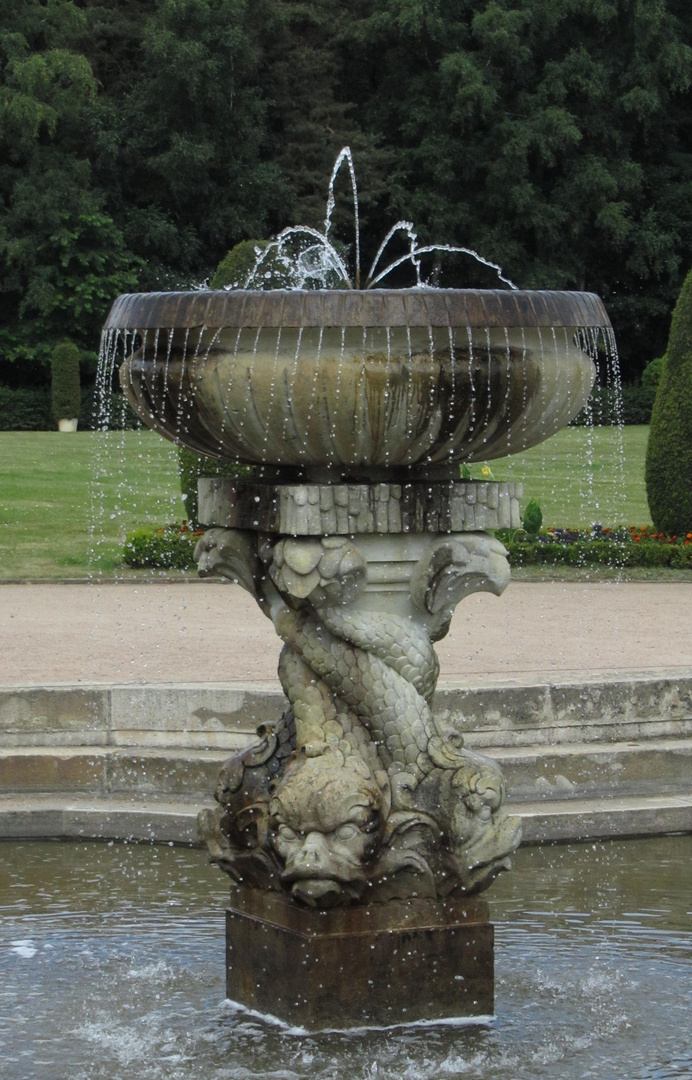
[194, 716]
[387, 964]
[106, 771]
[414, 393]
[591, 770]
[61, 816]
[308, 510]
[606, 710]
[601, 819]
[167, 774]
[60, 769]
[58, 713]
[407, 811]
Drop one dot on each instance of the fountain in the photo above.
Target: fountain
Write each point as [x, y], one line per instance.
[358, 831]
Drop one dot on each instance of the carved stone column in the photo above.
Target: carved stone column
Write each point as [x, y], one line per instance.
[357, 795]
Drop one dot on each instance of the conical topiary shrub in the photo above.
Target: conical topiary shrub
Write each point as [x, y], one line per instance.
[65, 392]
[669, 449]
[234, 269]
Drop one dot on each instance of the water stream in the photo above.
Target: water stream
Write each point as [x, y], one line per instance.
[301, 257]
[111, 968]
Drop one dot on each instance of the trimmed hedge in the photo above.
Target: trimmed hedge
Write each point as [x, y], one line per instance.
[623, 548]
[65, 389]
[172, 548]
[636, 404]
[668, 468]
[29, 409]
[25, 409]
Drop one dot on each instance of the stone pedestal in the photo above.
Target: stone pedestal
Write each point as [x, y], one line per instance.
[302, 509]
[358, 829]
[376, 965]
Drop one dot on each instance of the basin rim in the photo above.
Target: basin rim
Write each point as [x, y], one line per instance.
[371, 308]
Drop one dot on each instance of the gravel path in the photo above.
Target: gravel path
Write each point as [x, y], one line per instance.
[203, 632]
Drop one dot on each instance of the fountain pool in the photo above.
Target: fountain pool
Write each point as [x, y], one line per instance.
[111, 967]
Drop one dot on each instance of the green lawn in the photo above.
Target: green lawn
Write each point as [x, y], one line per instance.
[67, 501]
[582, 475]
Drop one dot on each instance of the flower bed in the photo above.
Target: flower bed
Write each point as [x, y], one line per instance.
[610, 547]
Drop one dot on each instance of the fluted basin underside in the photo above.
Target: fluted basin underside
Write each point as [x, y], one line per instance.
[355, 380]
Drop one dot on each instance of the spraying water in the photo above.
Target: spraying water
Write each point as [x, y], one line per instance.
[304, 258]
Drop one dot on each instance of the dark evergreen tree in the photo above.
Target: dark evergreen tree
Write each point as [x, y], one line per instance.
[551, 135]
[65, 388]
[188, 142]
[141, 139]
[62, 258]
[669, 449]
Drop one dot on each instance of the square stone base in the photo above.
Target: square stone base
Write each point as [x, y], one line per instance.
[386, 964]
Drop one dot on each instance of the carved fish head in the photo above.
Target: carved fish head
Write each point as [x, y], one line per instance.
[326, 824]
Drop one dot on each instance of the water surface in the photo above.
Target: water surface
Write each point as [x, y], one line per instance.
[111, 968]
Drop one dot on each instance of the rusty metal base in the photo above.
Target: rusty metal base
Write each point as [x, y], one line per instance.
[382, 965]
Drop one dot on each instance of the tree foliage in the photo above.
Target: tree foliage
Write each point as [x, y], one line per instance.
[141, 139]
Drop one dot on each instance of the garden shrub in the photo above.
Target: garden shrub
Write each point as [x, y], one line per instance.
[533, 518]
[66, 398]
[170, 548]
[651, 375]
[624, 548]
[25, 408]
[669, 448]
[233, 270]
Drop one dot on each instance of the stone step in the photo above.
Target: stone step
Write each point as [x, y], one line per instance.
[106, 771]
[603, 819]
[60, 816]
[595, 770]
[586, 770]
[223, 716]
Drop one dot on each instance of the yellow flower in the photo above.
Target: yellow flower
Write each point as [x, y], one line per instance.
[487, 472]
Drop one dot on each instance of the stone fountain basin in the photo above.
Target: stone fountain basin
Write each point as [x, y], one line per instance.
[354, 380]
